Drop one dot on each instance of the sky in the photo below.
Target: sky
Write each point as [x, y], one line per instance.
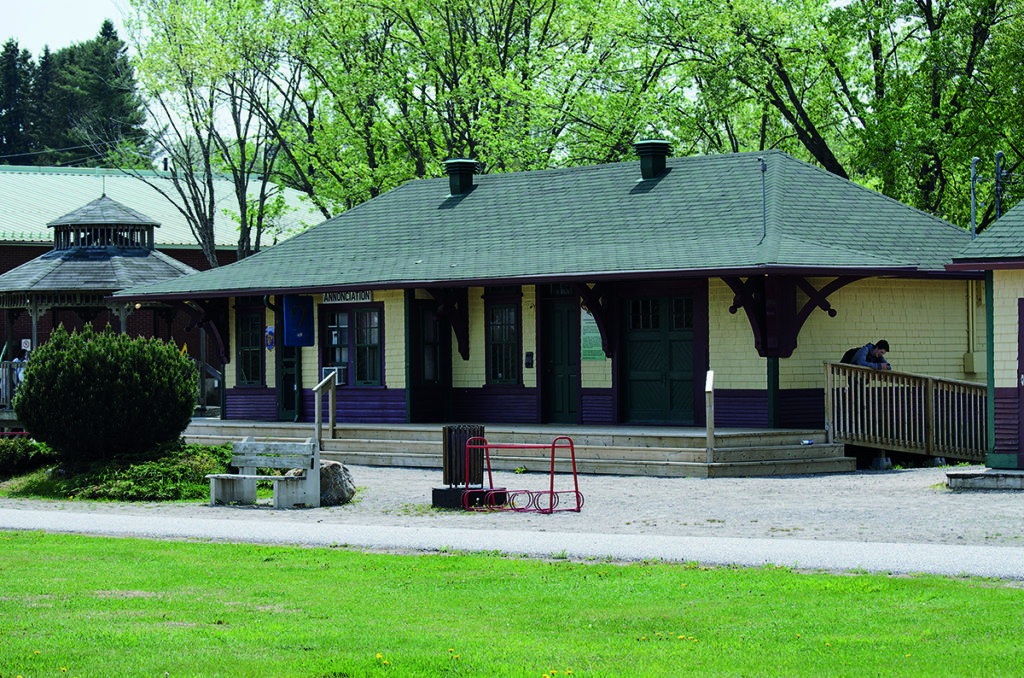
[57, 23]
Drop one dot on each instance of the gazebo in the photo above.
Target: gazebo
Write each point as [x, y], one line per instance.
[98, 249]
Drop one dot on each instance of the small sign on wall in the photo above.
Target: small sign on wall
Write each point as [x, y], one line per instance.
[26, 344]
[357, 297]
[298, 320]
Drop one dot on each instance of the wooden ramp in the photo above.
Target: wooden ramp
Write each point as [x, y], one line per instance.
[631, 451]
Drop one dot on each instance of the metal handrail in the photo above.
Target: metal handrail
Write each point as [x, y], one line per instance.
[329, 384]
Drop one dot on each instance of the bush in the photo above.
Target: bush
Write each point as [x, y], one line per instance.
[170, 472]
[20, 453]
[177, 472]
[93, 396]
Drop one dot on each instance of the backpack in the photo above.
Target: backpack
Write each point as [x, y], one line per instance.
[848, 356]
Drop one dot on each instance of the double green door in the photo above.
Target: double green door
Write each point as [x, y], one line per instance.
[659, 360]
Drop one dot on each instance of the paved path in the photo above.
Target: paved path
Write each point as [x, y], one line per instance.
[898, 521]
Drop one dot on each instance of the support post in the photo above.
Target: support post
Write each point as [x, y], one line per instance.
[773, 392]
[709, 413]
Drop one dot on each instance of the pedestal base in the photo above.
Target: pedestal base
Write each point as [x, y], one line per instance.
[451, 497]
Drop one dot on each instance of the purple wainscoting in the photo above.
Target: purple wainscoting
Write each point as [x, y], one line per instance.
[741, 407]
[1007, 405]
[362, 405]
[498, 404]
[252, 403]
[802, 408]
[798, 407]
[597, 406]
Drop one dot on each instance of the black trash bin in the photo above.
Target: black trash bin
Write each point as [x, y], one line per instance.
[454, 455]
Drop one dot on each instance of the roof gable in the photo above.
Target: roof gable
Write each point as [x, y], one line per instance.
[1003, 241]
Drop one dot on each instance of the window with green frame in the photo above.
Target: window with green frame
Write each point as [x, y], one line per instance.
[249, 347]
[367, 347]
[353, 343]
[502, 343]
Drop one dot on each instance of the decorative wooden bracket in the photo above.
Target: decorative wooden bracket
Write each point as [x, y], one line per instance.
[770, 304]
[591, 297]
[453, 304]
[819, 298]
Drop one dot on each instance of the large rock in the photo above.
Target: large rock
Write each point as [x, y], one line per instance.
[336, 486]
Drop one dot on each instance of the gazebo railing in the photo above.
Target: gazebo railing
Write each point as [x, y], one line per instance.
[10, 378]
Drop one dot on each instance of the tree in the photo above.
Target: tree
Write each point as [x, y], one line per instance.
[887, 92]
[73, 108]
[16, 71]
[402, 85]
[216, 110]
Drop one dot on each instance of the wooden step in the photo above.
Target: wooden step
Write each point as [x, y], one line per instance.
[601, 450]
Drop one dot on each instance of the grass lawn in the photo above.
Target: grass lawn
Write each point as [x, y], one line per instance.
[85, 606]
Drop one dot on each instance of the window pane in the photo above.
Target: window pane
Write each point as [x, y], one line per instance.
[336, 349]
[367, 347]
[503, 351]
[250, 348]
[682, 313]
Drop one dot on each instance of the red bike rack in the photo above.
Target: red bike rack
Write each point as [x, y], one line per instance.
[521, 501]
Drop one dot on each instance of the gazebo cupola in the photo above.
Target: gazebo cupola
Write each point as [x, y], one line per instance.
[103, 223]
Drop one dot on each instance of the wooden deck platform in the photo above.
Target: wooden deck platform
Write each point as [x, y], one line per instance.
[634, 451]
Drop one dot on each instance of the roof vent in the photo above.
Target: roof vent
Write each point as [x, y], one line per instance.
[652, 154]
[460, 173]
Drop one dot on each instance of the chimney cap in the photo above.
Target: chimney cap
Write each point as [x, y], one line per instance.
[652, 147]
[453, 165]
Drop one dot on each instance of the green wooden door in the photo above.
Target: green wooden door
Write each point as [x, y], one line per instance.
[289, 382]
[560, 361]
[659, 360]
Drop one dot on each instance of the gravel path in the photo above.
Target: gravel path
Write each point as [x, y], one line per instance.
[879, 520]
[908, 506]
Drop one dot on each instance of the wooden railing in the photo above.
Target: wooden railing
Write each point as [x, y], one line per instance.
[10, 377]
[329, 385]
[905, 412]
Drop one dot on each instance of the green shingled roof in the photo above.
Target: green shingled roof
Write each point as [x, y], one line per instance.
[1003, 242]
[93, 269]
[702, 216]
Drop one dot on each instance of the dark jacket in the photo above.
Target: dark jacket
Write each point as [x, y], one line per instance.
[865, 358]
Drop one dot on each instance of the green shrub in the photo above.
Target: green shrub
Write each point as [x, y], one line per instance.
[95, 396]
[20, 453]
[178, 473]
[170, 472]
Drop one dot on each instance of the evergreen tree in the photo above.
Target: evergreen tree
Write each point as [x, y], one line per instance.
[90, 106]
[16, 71]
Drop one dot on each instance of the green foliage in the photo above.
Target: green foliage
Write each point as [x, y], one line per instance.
[75, 106]
[98, 396]
[20, 453]
[180, 473]
[357, 98]
[171, 472]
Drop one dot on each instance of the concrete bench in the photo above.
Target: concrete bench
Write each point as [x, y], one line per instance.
[289, 491]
